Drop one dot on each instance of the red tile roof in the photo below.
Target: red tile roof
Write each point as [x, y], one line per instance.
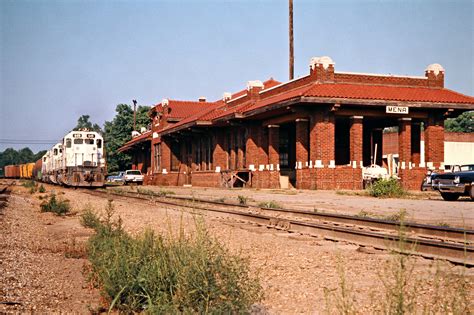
[388, 93]
[183, 109]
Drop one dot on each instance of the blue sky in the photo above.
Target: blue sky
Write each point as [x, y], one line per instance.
[62, 59]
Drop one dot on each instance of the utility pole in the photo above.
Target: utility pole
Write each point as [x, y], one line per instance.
[292, 58]
[134, 114]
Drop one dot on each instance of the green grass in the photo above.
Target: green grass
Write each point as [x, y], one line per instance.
[386, 188]
[242, 199]
[173, 274]
[55, 205]
[270, 204]
[41, 189]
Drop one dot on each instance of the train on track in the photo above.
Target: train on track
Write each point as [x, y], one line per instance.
[77, 161]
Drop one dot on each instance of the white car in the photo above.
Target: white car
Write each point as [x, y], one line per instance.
[133, 176]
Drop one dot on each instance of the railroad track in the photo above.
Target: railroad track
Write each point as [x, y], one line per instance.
[452, 244]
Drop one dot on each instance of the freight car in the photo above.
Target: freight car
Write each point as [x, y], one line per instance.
[78, 160]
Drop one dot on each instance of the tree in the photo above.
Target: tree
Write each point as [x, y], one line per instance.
[84, 123]
[462, 123]
[118, 131]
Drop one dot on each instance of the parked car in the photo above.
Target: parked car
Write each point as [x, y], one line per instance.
[117, 178]
[452, 185]
[133, 176]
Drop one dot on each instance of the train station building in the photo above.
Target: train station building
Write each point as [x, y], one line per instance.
[318, 131]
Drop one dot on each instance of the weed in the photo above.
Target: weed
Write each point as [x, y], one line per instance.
[222, 199]
[55, 205]
[443, 224]
[32, 190]
[366, 214]
[270, 204]
[400, 216]
[386, 188]
[89, 218]
[41, 189]
[176, 274]
[242, 199]
[29, 184]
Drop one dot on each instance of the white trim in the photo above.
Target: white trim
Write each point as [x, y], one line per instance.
[354, 164]
[278, 167]
[429, 165]
[382, 75]
[218, 169]
[234, 99]
[332, 164]
[281, 84]
[318, 164]
[402, 165]
[310, 163]
[261, 167]
[422, 164]
[361, 164]
[252, 167]
[164, 171]
[271, 167]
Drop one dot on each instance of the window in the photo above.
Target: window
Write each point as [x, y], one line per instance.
[55, 152]
[157, 156]
[89, 141]
[198, 155]
[99, 143]
[78, 141]
[68, 143]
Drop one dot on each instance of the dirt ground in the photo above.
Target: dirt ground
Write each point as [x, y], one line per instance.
[299, 274]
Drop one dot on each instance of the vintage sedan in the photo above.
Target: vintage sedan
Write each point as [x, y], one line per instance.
[459, 182]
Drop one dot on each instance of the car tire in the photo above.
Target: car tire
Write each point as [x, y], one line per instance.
[471, 192]
[450, 196]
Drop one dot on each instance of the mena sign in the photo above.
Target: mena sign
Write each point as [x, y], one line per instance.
[396, 109]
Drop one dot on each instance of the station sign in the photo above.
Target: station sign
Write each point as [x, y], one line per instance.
[396, 110]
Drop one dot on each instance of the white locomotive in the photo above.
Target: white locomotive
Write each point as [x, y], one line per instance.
[76, 161]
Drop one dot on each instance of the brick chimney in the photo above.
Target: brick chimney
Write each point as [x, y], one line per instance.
[202, 99]
[322, 69]
[435, 75]
[253, 88]
[165, 112]
[226, 96]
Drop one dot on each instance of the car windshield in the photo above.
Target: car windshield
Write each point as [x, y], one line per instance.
[465, 168]
[134, 173]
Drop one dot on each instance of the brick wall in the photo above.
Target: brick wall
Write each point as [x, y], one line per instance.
[356, 134]
[302, 139]
[273, 146]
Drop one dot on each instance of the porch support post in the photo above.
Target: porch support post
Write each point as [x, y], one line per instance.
[434, 142]
[355, 146]
[251, 146]
[165, 155]
[321, 138]
[302, 139]
[404, 143]
[273, 147]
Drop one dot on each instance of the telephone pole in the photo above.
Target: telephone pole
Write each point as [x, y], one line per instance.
[134, 114]
[292, 58]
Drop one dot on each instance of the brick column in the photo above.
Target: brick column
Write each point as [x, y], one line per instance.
[434, 142]
[322, 137]
[219, 155]
[416, 143]
[301, 143]
[355, 142]
[262, 148]
[273, 147]
[252, 147]
[165, 155]
[404, 142]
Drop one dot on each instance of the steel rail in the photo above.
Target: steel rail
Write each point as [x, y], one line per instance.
[464, 235]
[462, 254]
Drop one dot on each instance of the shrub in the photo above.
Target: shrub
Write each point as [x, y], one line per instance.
[242, 199]
[270, 204]
[55, 205]
[41, 189]
[386, 188]
[29, 184]
[176, 274]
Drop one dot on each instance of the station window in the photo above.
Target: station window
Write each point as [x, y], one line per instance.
[68, 143]
[78, 141]
[99, 143]
[89, 141]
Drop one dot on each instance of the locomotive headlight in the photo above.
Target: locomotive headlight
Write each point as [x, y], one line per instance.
[456, 180]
